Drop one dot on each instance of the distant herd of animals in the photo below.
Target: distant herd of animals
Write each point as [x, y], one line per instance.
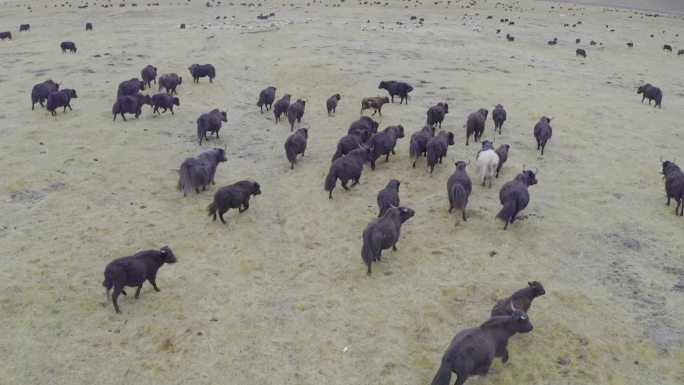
[472, 351]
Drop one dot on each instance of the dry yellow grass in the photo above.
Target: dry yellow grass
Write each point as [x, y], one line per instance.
[280, 295]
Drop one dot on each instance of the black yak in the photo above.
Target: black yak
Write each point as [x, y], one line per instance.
[134, 270]
[543, 132]
[514, 196]
[375, 103]
[60, 99]
[475, 124]
[130, 104]
[266, 98]
[234, 196]
[437, 148]
[199, 171]
[396, 88]
[89, 26]
[6, 35]
[667, 47]
[281, 106]
[674, 185]
[472, 351]
[24, 27]
[435, 114]
[502, 152]
[169, 82]
[383, 233]
[295, 145]
[459, 187]
[346, 168]
[652, 93]
[383, 143]
[295, 112]
[630, 45]
[510, 37]
[419, 141]
[202, 70]
[41, 91]
[210, 122]
[499, 117]
[149, 75]
[580, 52]
[347, 144]
[165, 101]
[364, 128]
[68, 46]
[331, 103]
[130, 87]
[680, 52]
[388, 197]
[520, 300]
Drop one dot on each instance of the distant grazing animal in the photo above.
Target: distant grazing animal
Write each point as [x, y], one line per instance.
[511, 23]
[577, 41]
[130, 104]
[680, 52]
[437, 148]
[24, 27]
[592, 43]
[498, 31]
[364, 128]
[165, 101]
[347, 144]
[375, 103]
[41, 91]
[674, 184]
[149, 75]
[60, 99]
[346, 168]
[502, 152]
[383, 233]
[630, 45]
[182, 26]
[520, 300]
[234, 196]
[472, 351]
[580, 52]
[499, 117]
[68, 46]
[543, 132]
[202, 70]
[6, 35]
[199, 171]
[436, 113]
[396, 88]
[130, 87]
[383, 143]
[514, 196]
[266, 98]
[210, 122]
[459, 187]
[652, 93]
[134, 270]
[510, 38]
[475, 124]
[552, 42]
[419, 141]
[667, 47]
[295, 145]
[295, 112]
[89, 26]
[487, 162]
[169, 82]
[281, 106]
[331, 103]
[388, 197]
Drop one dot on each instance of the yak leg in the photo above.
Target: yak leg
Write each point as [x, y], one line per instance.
[245, 206]
[375, 111]
[344, 185]
[171, 108]
[221, 212]
[153, 281]
[137, 292]
[668, 201]
[197, 189]
[387, 157]
[506, 225]
[679, 202]
[115, 295]
[155, 110]
[394, 246]
[464, 215]
[123, 117]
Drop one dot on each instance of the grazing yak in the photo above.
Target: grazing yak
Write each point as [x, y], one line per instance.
[514, 196]
[210, 122]
[281, 106]
[234, 196]
[459, 187]
[347, 143]
[202, 70]
[295, 112]
[396, 88]
[6, 35]
[169, 82]
[375, 103]
[331, 103]
[580, 52]
[346, 168]
[667, 47]
[502, 152]
[383, 233]
[652, 93]
[24, 27]
[475, 124]
[520, 300]
[134, 270]
[89, 26]
[388, 197]
[199, 171]
[419, 141]
[130, 104]
[60, 99]
[499, 117]
[630, 45]
[473, 350]
[149, 75]
[41, 91]
[364, 128]
[68, 46]
[437, 148]
[435, 114]
[266, 98]
[383, 143]
[543, 132]
[674, 185]
[165, 101]
[130, 87]
[487, 162]
[295, 145]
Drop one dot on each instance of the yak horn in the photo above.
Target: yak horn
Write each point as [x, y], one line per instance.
[391, 205]
[468, 162]
[536, 170]
[661, 159]
[523, 166]
[551, 118]
[674, 160]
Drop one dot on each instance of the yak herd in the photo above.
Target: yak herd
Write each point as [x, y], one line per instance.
[472, 351]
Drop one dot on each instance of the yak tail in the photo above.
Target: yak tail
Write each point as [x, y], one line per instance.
[443, 376]
[414, 150]
[331, 179]
[184, 181]
[366, 251]
[459, 198]
[291, 154]
[431, 157]
[508, 211]
[337, 154]
[212, 209]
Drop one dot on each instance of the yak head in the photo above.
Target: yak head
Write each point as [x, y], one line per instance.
[167, 255]
[643, 88]
[444, 106]
[337, 96]
[405, 213]
[71, 93]
[668, 166]
[504, 148]
[256, 189]
[522, 321]
[487, 145]
[176, 102]
[224, 116]
[382, 85]
[484, 112]
[529, 177]
[304, 132]
[461, 165]
[385, 99]
[498, 106]
[394, 184]
[537, 288]
[220, 155]
[450, 138]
